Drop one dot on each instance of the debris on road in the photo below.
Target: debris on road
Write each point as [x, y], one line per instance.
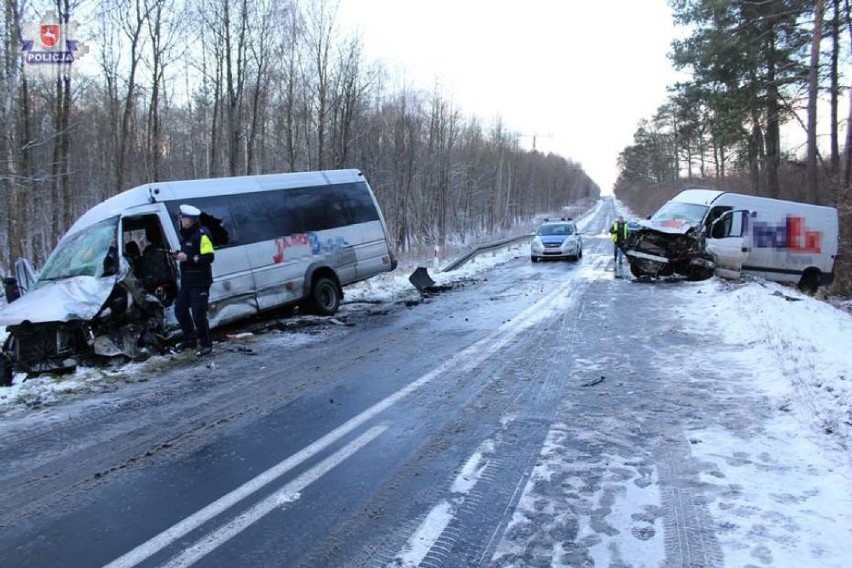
[594, 382]
[421, 280]
[785, 296]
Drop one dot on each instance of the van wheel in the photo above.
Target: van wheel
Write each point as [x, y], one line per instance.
[698, 273]
[810, 280]
[325, 297]
[637, 271]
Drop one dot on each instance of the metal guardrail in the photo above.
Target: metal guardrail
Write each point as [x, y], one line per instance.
[485, 247]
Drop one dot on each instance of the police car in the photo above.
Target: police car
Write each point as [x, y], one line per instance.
[557, 240]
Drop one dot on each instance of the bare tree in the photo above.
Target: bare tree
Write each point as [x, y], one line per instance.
[13, 120]
[813, 93]
[165, 27]
[321, 28]
[131, 17]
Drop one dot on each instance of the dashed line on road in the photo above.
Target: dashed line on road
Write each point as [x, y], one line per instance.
[287, 494]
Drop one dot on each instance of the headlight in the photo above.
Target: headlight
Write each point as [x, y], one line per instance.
[536, 245]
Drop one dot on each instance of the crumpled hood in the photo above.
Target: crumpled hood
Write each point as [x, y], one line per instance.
[78, 298]
[552, 239]
[671, 226]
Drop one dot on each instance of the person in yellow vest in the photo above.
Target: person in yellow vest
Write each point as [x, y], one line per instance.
[618, 234]
[196, 276]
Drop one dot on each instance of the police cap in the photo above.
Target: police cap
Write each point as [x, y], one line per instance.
[189, 211]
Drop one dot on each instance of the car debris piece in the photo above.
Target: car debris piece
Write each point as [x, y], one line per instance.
[786, 297]
[420, 279]
[594, 382]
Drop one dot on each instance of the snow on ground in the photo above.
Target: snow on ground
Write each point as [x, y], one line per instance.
[777, 490]
[804, 342]
[783, 495]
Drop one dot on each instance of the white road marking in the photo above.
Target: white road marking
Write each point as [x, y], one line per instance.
[442, 514]
[287, 494]
[472, 470]
[549, 306]
[424, 538]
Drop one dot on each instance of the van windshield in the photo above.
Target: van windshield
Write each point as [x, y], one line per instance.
[90, 252]
[676, 210]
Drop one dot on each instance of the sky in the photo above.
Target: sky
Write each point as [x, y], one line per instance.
[578, 74]
[778, 490]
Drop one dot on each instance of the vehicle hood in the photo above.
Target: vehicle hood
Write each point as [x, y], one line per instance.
[552, 239]
[670, 226]
[78, 298]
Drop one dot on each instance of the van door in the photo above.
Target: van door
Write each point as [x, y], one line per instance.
[729, 241]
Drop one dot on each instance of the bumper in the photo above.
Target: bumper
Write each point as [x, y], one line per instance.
[556, 254]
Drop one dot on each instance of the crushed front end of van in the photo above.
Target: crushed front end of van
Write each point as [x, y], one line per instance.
[668, 247]
[86, 304]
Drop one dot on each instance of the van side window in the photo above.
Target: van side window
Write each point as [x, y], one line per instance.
[268, 215]
[261, 216]
[217, 207]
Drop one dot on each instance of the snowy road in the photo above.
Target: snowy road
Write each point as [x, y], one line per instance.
[539, 415]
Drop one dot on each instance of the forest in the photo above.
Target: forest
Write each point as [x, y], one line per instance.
[196, 89]
[760, 72]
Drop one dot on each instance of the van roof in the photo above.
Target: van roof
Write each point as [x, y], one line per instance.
[699, 196]
[196, 188]
[709, 197]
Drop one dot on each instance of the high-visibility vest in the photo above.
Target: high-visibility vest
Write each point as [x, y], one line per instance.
[613, 232]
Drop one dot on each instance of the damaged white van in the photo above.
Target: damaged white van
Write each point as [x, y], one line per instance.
[700, 232]
[280, 239]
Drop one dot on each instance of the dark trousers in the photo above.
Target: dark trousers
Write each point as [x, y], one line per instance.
[191, 313]
[617, 252]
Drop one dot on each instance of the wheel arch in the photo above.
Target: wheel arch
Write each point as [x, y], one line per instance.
[316, 271]
[811, 279]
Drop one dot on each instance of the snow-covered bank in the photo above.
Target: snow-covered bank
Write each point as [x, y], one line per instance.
[795, 347]
[781, 486]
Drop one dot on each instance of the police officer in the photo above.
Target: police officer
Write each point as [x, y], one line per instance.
[196, 275]
[618, 234]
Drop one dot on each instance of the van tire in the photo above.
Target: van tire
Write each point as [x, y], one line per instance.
[637, 271]
[810, 280]
[325, 298]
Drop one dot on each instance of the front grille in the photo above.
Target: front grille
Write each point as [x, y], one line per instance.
[35, 344]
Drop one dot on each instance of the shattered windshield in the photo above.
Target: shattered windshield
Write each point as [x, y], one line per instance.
[556, 229]
[675, 210]
[90, 252]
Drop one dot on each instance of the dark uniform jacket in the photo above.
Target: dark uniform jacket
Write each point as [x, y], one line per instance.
[197, 244]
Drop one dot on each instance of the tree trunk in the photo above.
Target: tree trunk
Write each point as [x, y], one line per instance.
[773, 122]
[834, 92]
[813, 92]
[846, 189]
